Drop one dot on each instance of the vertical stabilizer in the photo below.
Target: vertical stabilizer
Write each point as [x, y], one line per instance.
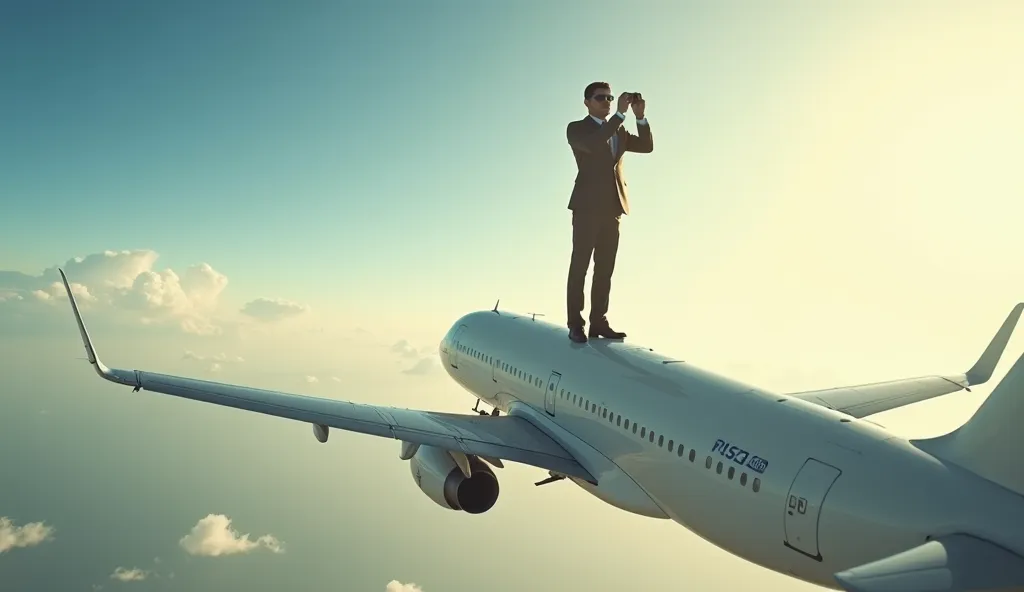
[990, 443]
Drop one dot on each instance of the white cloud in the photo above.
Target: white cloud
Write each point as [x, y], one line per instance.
[55, 291]
[126, 280]
[215, 362]
[426, 361]
[405, 349]
[335, 379]
[190, 298]
[213, 536]
[273, 309]
[129, 283]
[129, 575]
[424, 366]
[30, 535]
[396, 586]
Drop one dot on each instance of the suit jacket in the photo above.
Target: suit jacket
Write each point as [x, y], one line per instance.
[600, 185]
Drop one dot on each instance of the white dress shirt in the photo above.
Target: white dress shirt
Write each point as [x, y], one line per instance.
[613, 142]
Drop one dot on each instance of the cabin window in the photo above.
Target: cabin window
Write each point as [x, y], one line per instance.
[693, 454]
[643, 432]
[757, 485]
[651, 436]
[604, 412]
[670, 445]
[618, 420]
[574, 398]
[732, 471]
[707, 463]
[634, 427]
[661, 441]
[743, 478]
[627, 424]
[719, 469]
[680, 450]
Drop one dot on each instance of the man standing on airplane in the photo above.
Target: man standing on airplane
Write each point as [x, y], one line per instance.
[599, 199]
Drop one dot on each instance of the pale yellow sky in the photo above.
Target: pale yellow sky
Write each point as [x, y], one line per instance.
[835, 200]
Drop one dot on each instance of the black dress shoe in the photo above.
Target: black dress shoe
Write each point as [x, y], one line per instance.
[606, 332]
[576, 334]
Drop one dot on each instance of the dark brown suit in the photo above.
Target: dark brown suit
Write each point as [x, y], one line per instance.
[599, 198]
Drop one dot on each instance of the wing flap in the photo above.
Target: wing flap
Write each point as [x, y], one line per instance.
[509, 438]
[954, 562]
[868, 399]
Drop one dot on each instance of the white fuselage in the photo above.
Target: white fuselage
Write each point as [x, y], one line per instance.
[784, 483]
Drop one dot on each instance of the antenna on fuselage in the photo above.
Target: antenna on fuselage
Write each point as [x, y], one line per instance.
[495, 309]
[535, 314]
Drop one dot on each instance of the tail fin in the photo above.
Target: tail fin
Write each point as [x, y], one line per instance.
[990, 442]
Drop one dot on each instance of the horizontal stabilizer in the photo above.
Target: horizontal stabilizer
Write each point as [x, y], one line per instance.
[952, 563]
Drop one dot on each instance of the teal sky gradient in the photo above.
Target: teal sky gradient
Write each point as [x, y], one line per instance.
[834, 198]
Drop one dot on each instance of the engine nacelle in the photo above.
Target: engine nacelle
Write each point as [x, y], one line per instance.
[439, 476]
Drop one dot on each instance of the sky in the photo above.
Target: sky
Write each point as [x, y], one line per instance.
[305, 195]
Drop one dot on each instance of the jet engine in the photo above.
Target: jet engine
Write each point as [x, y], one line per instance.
[438, 475]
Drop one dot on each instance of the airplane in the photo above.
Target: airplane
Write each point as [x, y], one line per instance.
[798, 483]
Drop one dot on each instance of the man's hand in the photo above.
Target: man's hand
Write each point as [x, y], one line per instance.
[638, 107]
[624, 101]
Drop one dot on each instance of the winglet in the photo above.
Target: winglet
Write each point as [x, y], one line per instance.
[986, 364]
[118, 376]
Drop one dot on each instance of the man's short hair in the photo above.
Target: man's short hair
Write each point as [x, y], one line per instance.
[593, 86]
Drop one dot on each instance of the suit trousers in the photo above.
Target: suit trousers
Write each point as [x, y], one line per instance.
[597, 236]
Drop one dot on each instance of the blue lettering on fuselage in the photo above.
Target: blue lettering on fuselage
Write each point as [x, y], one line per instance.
[740, 456]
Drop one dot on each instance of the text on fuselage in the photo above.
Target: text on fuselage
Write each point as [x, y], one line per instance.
[739, 456]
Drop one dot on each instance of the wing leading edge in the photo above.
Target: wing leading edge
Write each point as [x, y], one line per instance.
[510, 438]
[868, 399]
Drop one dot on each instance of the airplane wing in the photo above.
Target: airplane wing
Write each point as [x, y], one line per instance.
[868, 399]
[949, 563]
[510, 438]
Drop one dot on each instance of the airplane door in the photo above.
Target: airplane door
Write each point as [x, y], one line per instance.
[494, 369]
[551, 393]
[453, 356]
[803, 506]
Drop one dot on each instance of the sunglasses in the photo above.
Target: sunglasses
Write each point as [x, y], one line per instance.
[608, 98]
